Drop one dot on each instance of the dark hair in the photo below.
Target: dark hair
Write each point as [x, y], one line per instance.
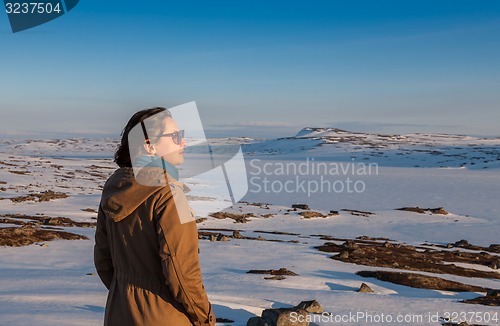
[122, 153]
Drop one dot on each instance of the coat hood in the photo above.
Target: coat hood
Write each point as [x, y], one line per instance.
[122, 194]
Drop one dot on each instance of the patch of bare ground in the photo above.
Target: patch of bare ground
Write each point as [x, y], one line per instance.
[492, 298]
[90, 210]
[397, 255]
[93, 166]
[7, 164]
[311, 214]
[355, 212]
[26, 235]
[40, 197]
[278, 274]
[98, 175]
[360, 239]
[365, 237]
[277, 232]
[438, 210]
[21, 219]
[261, 205]
[207, 234]
[19, 172]
[10, 221]
[421, 281]
[495, 247]
[238, 218]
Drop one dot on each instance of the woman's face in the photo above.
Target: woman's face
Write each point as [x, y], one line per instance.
[165, 146]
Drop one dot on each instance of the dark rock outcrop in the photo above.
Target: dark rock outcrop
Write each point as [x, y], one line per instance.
[421, 281]
[438, 210]
[295, 316]
[281, 271]
[364, 288]
[300, 206]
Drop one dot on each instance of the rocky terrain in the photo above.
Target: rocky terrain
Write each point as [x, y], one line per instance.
[348, 254]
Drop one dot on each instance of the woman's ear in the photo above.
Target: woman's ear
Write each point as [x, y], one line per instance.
[150, 148]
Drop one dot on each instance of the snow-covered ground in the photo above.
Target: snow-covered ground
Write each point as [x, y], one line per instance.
[55, 284]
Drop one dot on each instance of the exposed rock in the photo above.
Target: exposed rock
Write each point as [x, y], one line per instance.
[494, 247]
[421, 281]
[344, 255]
[216, 236]
[45, 220]
[254, 321]
[350, 244]
[332, 213]
[311, 306]
[493, 293]
[412, 209]
[237, 235]
[19, 172]
[238, 218]
[365, 237]
[261, 205]
[311, 214]
[258, 321]
[438, 210]
[462, 243]
[358, 213]
[407, 257]
[300, 206]
[464, 323]
[26, 235]
[222, 237]
[285, 317]
[90, 210]
[281, 271]
[466, 245]
[277, 232]
[223, 320]
[275, 277]
[41, 197]
[364, 288]
[492, 298]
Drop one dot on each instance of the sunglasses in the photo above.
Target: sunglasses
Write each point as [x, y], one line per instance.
[177, 136]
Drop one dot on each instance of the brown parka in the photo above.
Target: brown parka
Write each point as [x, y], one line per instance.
[146, 257]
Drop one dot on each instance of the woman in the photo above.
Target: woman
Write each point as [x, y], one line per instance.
[146, 242]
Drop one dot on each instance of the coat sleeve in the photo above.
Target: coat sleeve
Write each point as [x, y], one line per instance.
[102, 255]
[178, 240]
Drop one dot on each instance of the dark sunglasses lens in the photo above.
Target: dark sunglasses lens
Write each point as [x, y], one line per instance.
[178, 137]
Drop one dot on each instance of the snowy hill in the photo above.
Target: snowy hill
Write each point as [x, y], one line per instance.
[409, 150]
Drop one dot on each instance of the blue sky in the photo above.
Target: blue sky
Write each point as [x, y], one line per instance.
[257, 68]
